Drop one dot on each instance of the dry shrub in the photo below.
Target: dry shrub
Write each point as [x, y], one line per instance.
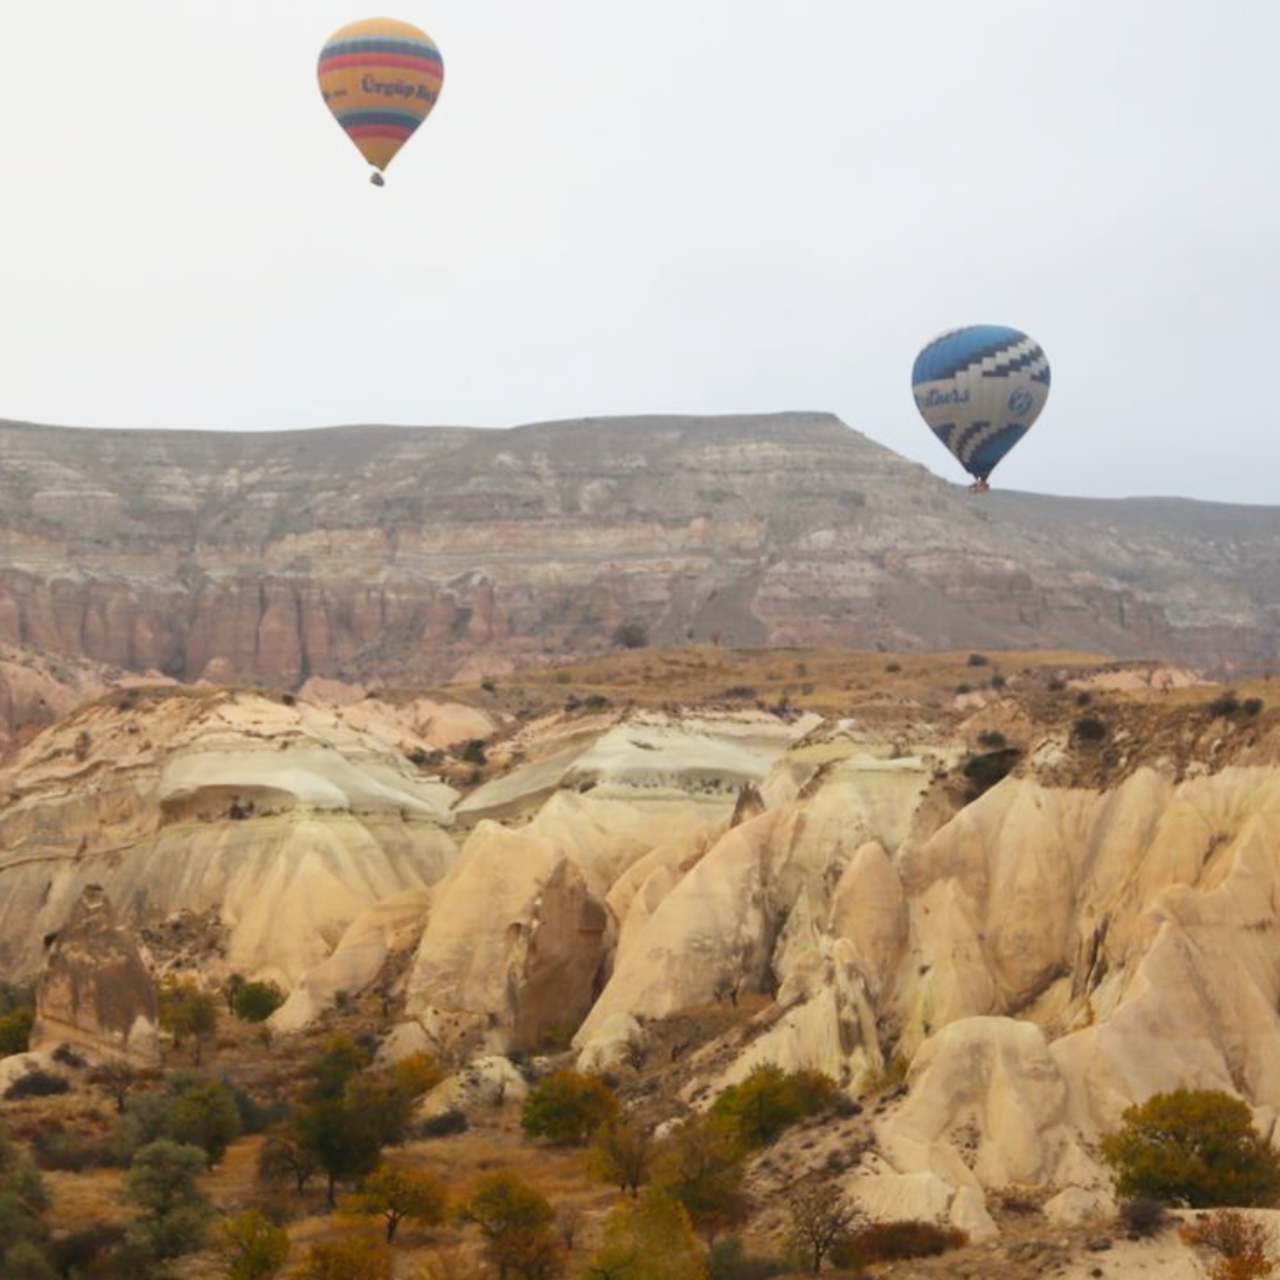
[895, 1241]
[1142, 1216]
[1241, 1245]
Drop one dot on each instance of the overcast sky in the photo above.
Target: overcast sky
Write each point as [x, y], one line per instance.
[686, 206]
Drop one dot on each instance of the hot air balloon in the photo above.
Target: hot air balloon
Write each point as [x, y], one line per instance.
[380, 78]
[980, 389]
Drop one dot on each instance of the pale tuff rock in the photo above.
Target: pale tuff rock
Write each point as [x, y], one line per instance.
[711, 933]
[698, 925]
[823, 1020]
[613, 1047]
[1075, 1205]
[283, 819]
[869, 910]
[921, 1197]
[490, 1081]
[638, 891]
[391, 926]
[604, 835]
[704, 760]
[987, 1108]
[95, 992]
[513, 946]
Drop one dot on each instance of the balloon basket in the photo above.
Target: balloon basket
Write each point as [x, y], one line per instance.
[377, 179]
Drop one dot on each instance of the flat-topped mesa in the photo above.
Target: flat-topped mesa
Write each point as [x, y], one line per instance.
[95, 993]
[418, 553]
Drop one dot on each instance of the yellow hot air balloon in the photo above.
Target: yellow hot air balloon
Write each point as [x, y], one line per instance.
[380, 78]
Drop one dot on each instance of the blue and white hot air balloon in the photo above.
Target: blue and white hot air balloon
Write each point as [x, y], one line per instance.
[980, 389]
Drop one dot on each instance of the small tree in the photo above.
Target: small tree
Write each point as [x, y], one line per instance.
[15, 1030]
[702, 1167]
[205, 1115]
[567, 1108]
[284, 1155]
[821, 1218]
[400, 1194]
[256, 1249]
[648, 1239]
[23, 1201]
[518, 1226]
[174, 1211]
[257, 1001]
[339, 1061]
[770, 1099]
[188, 1013]
[417, 1074]
[1193, 1147]
[622, 1154]
[345, 1141]
[27, 1261]
[116, 1077]
[232, 988]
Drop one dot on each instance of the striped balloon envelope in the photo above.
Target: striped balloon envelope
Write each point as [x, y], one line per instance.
[380, 78]
[980, 389]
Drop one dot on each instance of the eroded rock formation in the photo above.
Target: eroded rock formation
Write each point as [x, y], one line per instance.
[95, 992]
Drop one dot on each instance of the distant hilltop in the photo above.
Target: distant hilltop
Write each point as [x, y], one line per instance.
[384, 553]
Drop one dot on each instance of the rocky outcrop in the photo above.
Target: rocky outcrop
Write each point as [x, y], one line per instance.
[390, 927]
[513, 947]
[95, 992]
[377, 553]
[284, 821]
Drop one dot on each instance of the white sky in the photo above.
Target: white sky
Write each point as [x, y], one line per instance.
[702, 206]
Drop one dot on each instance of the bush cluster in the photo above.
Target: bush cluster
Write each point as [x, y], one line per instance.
[770, 1100]
[37, 1084]
[896, 1242]
[1193, 1147]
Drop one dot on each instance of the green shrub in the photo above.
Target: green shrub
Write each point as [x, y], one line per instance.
[1089, 729]
[769, 1100]
[53, 1147]
[257, 1001]
[983, 771]
[15, 1030]
[702, 1165]
[631, 635]
[1225, 704]
[37, 1084]
[205, 1115]
[1193, 1147]
[567, 1108]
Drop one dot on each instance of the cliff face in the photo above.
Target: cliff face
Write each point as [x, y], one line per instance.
[373, 552]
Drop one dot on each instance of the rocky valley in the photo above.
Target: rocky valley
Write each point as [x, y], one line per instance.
[672, 754]
[995, 898]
